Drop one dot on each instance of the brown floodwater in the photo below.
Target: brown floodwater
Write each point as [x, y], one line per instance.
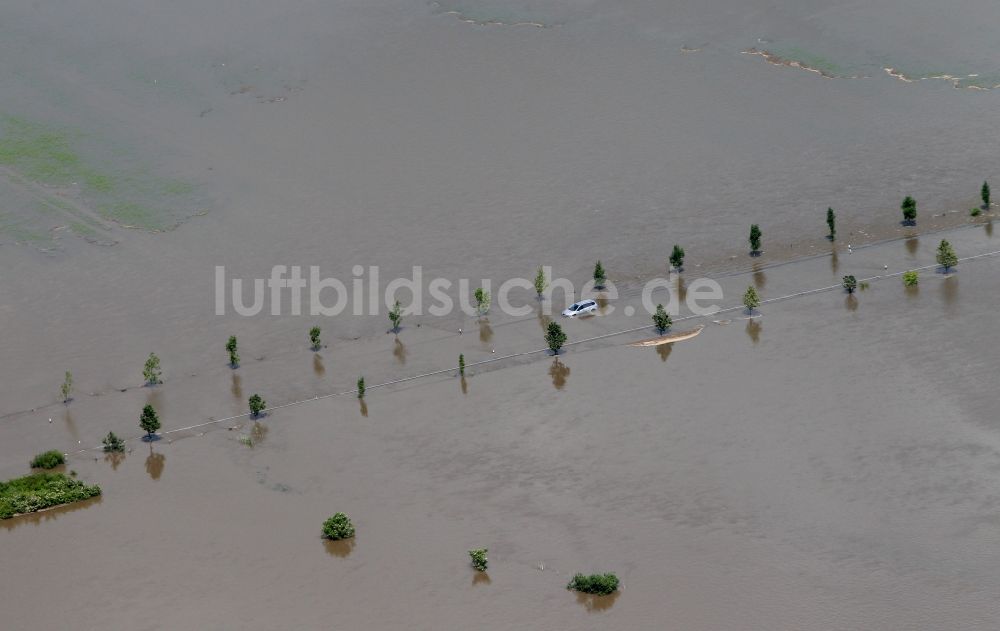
[837, 471]
[829, 464]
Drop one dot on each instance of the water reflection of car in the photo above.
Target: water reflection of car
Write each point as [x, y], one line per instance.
[580, 308]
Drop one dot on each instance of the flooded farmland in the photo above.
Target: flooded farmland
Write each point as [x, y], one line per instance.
[830, 463]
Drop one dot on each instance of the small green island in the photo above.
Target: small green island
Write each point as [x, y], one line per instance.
[38, 491]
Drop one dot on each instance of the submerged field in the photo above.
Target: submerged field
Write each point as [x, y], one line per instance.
[826, 465]
[830, 464]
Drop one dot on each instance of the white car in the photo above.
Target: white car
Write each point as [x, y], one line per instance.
[580, 308]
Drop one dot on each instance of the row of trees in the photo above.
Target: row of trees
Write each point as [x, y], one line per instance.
[946, 258]
[555, 337]
[909, 210]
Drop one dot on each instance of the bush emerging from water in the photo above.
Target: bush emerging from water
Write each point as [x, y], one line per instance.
[34, 492]
[48, 460]
[602, 584]
[850, 283]
[479, 560]
[257, 405]
[338, 527]
[113, 444]
[911, 278]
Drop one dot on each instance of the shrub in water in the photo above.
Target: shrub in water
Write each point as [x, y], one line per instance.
[257, 405]
[482, 300]
[479, 560]
[338, 527]
[602, 584]
[850, 284]
[112, 443]
[911, 278]
[396, 316]
[48, 460]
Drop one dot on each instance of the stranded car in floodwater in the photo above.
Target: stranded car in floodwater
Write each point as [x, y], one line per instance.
[580, 308]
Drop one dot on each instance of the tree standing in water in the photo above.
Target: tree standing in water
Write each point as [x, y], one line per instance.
[677, 258]
[831, 221]
[314, 337]
[540, 282]
[151, 370]
[984, 192]
[148, 421]
[67, 387]
[755, 235]
[600, 276]
[661, 319]
[257, 405]
[555, 337]
[482, 300]
[850, 284]
[909, 208]
[396, 316]
[946, 256]
[751, 299]
[234, 355]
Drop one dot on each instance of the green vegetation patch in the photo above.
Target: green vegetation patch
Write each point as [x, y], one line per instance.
[811, 60]
[601, 584]
[38, 491]
[338, 527]
[48, 460]
[117, 186]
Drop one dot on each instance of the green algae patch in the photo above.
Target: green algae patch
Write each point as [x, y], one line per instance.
[38, 491]
[87, 181]
[821, 64]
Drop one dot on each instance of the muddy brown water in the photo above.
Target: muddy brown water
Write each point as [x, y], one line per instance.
[830, 464]
[833, 469]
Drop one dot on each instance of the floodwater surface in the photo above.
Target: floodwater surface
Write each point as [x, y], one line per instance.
[830, 463]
